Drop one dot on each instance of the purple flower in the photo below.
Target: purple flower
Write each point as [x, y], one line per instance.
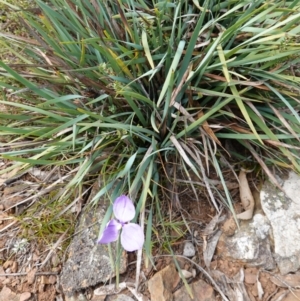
[132, 236]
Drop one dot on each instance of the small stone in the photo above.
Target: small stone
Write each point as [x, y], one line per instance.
[186, 274]
[7, 264]
[251, 275]
[229, 227]
[201, 292]
[52, 279]
[120, 297]
[55, 260]
[31, 276]
[25, 296]
[15, 282]
[2, 278]
[14, 267]
[7, 281]
[48, 279]
[189, 249]
[76, 297]
[161, 284]
[6, 294]
[41, 288]
[98, 298]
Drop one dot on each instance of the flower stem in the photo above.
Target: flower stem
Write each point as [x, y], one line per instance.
[118, 259]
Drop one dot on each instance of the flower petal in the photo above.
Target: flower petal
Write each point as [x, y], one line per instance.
[124, 209]
[110, 233]
[132, 237]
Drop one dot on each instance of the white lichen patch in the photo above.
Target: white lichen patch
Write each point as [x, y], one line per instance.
[260, 226]
[283, 212]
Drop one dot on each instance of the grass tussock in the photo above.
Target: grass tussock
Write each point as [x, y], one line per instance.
[137, 91]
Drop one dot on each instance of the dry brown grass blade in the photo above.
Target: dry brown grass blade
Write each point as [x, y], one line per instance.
[52, 250]
[197, 159]
[178, 89]
[205, 147]
[290, 89]
[238, 129]
[91, 83]
[258, 84]
[182, 153]
[179, 146]
[19, 38]
[191, 119]
[47, 59]
[263, 166]
[212, 231]
[124, 21]
[36, 37]
[255, 110]
[46, 190]
[208, 130]
[284, 122]
[281, 144]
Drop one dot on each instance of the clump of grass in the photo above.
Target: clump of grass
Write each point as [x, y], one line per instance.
[135, 90]
[45, 221]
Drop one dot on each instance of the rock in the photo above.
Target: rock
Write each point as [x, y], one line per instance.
[186, 274]
[98, 298]
[250, 244]
[283, 212]
[161, 284]
[76, 297]
[251, 275]
[14, 267]
[2, 278]
[260, 226]
[7, 264]
[31, 276]
[6, 294]
[48, 279]
[201, 292]
[120, 297]
[88, 263]
[41, 288]
[189, 249]
[25, 296]
[229, 227]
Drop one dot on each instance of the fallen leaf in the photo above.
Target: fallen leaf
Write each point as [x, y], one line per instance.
[246, 197]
